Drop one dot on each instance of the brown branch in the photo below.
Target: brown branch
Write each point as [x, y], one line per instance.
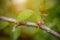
[42, 26]
[45, 28]
[8, 19]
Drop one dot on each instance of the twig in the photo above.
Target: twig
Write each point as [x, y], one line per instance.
[43, 27]
[8, 19]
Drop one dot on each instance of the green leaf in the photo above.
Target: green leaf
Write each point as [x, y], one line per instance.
[35, 17]
[13, 35]
[8, 29]
[3, 24]
[16, 34]
[24, 15]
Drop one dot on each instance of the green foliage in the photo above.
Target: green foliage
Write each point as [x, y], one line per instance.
[35, 17]
[50, 3]
[3, 24]
[24, 15]
[32, 15]
[17, 33]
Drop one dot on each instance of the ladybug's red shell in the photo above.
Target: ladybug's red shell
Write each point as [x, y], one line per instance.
[39, 22]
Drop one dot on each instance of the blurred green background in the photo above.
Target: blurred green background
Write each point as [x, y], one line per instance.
[29, 10]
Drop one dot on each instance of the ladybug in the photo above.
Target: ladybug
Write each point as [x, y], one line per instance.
[39, 22]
